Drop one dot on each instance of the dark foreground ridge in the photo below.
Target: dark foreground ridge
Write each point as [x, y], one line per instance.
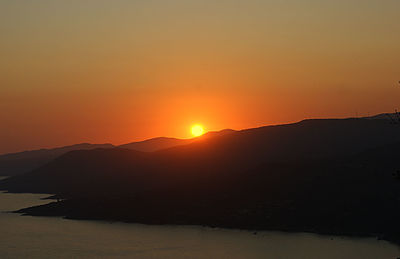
[321, 176]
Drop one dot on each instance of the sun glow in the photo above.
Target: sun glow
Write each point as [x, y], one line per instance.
[197, 130]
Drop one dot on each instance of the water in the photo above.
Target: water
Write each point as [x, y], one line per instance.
[46, 237]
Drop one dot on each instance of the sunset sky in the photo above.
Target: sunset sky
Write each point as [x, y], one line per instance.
[119, 71]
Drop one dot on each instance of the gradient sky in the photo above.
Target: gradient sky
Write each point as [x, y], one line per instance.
[119, 71]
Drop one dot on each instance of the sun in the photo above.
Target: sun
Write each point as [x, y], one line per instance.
[197, 130]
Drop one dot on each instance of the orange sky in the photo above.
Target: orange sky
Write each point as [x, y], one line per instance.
[120, 71]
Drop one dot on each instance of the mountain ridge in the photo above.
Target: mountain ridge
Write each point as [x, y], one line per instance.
[335, 176]
[25, 161]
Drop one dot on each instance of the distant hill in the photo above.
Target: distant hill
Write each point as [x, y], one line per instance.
[155, 144]
[23, 162]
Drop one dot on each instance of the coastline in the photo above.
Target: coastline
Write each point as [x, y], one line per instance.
[47, 210]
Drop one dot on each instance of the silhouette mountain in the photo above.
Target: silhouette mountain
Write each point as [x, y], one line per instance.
[22, 162]
[326, 176]
[155, 144]
[224, 153]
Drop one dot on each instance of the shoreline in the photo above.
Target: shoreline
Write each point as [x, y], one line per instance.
[37, 211]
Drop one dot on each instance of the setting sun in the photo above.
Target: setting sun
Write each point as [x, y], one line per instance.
[197, 130]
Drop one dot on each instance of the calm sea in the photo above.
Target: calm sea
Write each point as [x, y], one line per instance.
[45, 237]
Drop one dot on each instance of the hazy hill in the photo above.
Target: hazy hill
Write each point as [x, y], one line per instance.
[22, 162]
[155, 144]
